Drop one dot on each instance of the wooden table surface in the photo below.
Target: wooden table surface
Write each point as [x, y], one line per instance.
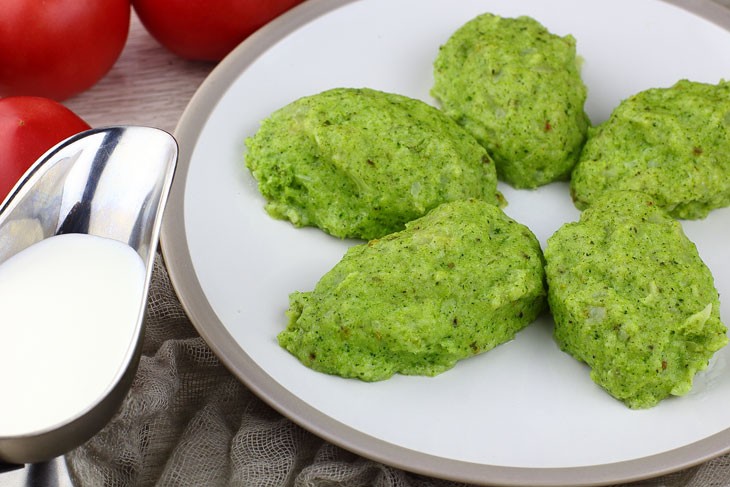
[148, 85]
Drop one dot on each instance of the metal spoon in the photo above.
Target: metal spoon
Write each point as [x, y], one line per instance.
[110, 182]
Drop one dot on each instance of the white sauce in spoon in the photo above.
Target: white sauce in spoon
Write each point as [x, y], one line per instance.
[68, 321]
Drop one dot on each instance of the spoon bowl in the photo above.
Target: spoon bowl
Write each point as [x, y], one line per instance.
[112, 183]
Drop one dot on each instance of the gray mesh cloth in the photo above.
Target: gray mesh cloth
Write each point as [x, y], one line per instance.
[188, 422]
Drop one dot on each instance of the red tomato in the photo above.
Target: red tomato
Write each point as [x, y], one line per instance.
[57, 48]
[206, 30]
[29, 126]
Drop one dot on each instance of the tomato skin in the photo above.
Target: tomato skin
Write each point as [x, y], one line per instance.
[57, 48]
[206, 30]
[29, 126]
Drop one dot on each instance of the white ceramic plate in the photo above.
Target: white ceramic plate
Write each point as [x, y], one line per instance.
[524, 413]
